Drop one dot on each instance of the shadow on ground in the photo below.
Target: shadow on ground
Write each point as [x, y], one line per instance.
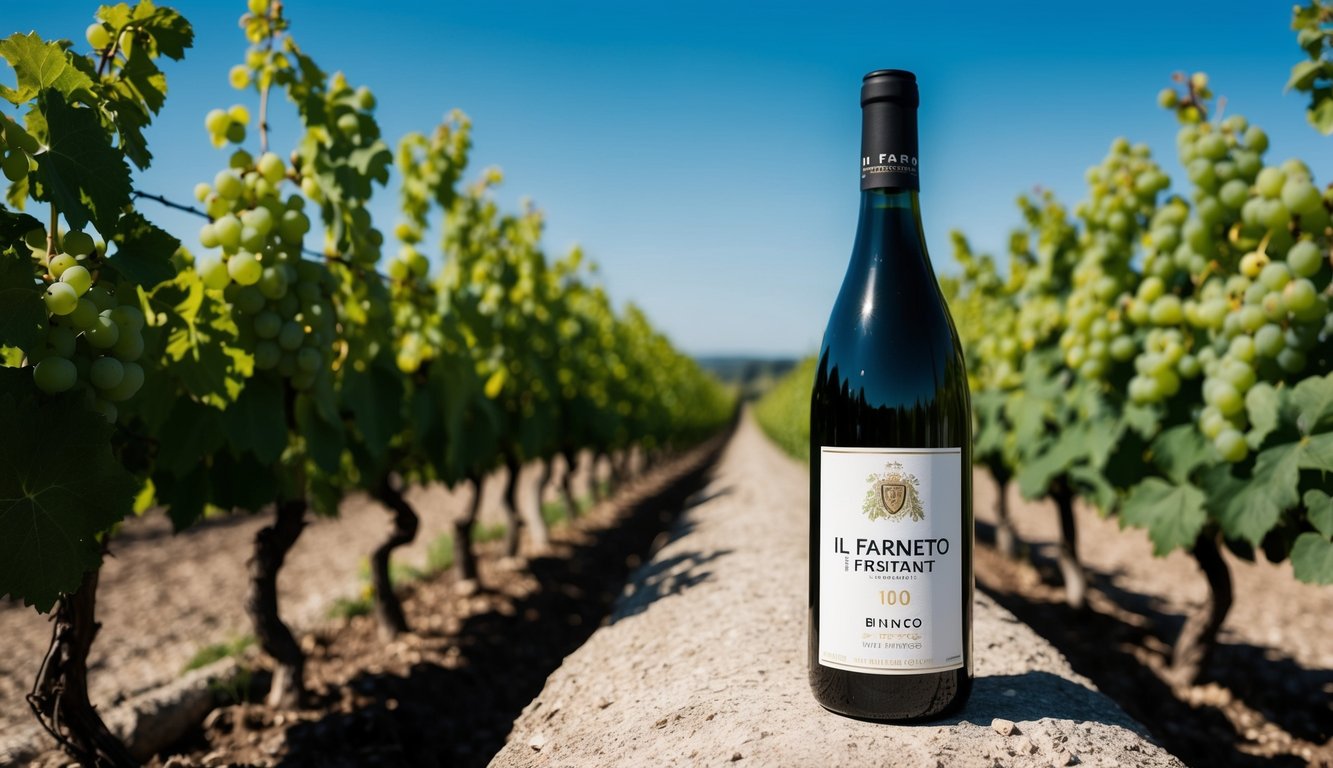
[461, 714]
[1250, 704]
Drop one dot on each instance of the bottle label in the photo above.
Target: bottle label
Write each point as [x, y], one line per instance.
[889, 146]
[890, 559]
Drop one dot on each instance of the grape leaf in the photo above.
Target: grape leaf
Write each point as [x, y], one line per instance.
[1304, 73]
[1321, 116]
[1317, 453]
[1093, 486]
[199, 350]
[1173, 514]
[257, 422]
[1313, 401]
[130, 120]
[988, 406]
[1249, 508]
[1312, 558]
[1143, 419]
[242, 482]
[373, 397]
[143, 81]
[143, 253]
[190, 434]
[1179, 451]
[372, 162]
[170, 31]
[186, 496]
[83, 174]
[50, 514]
[1319, 508]
[1262, 404]
[323, 440]
[39, 66]
[22, 314]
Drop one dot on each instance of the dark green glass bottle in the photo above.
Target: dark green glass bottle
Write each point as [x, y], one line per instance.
[890, 454]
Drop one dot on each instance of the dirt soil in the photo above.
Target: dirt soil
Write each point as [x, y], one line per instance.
[163, 597]
[446, 693]
[1266, 696]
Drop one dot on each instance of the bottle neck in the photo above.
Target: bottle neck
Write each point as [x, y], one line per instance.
[889, 226]
[889, 146]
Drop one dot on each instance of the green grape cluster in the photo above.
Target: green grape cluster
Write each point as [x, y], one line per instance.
[91, 341]
[413, 298]
[1256, 278]
[226, 126]
[280, 302]
[1234, 287]
[1123, 196]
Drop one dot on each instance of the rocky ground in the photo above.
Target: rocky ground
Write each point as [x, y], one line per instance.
[704, 663]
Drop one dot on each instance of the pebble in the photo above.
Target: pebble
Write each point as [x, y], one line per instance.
[1004, 727]
[537, 742]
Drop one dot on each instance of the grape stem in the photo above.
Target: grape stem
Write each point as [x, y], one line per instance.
[51, 232]
[265, 84]
[313, 254]
[109, 53]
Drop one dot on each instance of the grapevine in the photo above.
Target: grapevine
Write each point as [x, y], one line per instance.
[259, 371]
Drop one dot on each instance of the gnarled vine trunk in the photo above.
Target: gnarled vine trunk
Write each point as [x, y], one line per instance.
[1198, 637]
[567, 484]
[540, 530]
[465, 551]
[59, 695]
[388, 608]
[272, 543]
[1006, 542]
[514, 531]
[594, 481]
[1076, 580]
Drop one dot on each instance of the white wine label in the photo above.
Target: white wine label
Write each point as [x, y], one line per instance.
[890, 559]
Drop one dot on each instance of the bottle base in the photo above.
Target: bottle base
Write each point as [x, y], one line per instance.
[900, 699]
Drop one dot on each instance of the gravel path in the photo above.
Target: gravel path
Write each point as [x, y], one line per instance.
[703, 662]
[162, 597]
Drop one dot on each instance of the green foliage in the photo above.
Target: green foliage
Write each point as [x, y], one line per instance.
[1314, 33]
[784, 412]
[440, 554]
[259, 370]
[1167, 359]
[351, 607]
[218, 651]
[60, 487]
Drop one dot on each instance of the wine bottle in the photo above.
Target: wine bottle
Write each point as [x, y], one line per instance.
[890, 622]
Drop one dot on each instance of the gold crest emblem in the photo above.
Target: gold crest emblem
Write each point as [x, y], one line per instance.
[894, 494]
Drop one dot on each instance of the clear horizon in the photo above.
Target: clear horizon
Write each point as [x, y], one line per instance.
[704, 154]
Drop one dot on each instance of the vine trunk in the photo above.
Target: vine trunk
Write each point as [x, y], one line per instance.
[1076, 580]
[1198, 637]
[388, 608]
[59, 696]
[465, 551]
[272, 543]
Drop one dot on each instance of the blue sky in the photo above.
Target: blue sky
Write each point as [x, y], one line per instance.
[704, 153]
